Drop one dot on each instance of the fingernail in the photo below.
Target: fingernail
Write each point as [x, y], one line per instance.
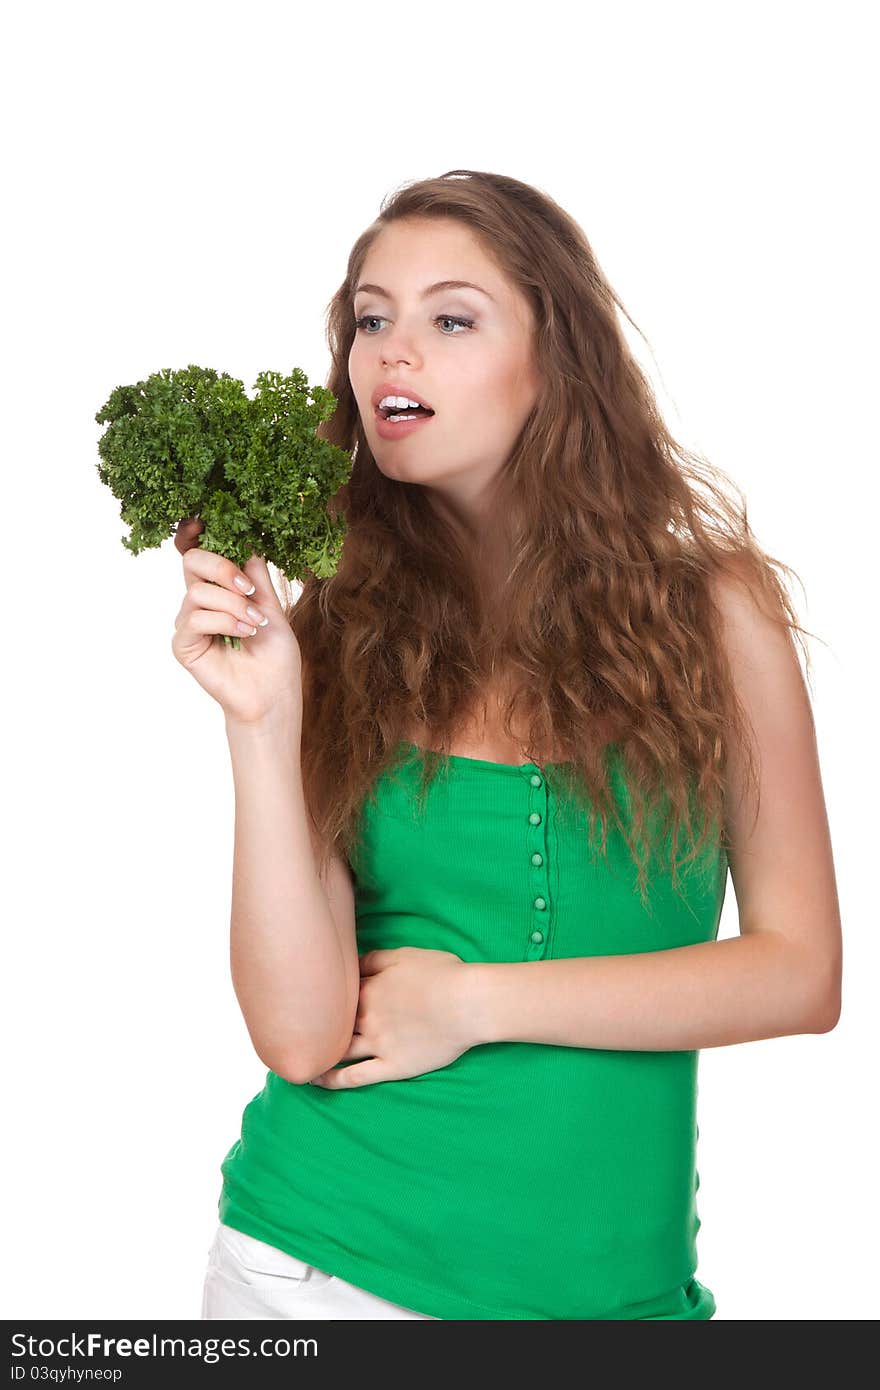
[243, 585]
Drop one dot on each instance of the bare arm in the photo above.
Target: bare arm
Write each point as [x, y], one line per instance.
[782, 974]
[293, 950]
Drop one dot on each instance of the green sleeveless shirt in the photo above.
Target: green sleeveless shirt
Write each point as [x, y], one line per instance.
[524, 1180]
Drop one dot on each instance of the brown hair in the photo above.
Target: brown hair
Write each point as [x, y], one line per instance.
[607, 618]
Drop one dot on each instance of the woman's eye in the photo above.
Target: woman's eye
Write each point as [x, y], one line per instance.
[441, 318]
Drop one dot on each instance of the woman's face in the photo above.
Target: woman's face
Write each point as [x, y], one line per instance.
[477, 375]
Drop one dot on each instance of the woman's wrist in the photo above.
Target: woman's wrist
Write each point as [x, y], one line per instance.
[282, 722]
[475, 1002]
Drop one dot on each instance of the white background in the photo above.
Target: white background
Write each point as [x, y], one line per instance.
[183, 184]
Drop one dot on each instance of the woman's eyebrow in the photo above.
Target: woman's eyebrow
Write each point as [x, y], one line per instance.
[432, 289]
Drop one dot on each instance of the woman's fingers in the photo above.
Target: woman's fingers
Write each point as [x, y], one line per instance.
[216, 597]
[205, 564]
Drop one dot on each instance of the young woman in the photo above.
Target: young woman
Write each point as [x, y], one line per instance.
[489, 779]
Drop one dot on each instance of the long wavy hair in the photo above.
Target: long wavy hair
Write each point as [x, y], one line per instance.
[606, 619]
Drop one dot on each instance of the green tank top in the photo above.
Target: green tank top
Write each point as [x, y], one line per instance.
[524, 1180]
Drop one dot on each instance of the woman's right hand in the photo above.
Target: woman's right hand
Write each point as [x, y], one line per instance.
[263, 677]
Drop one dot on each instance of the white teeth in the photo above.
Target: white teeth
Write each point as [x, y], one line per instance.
[397, 402]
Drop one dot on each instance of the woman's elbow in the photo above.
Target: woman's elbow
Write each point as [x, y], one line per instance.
[310, 1062]
[827, 1015]
[825, 1001]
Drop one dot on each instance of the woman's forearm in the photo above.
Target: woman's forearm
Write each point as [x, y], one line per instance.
[739, 989]
[295, 974]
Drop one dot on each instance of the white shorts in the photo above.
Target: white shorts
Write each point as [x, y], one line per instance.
[246, 1278]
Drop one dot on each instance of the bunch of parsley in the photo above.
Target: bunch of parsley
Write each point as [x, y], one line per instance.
[192, 443]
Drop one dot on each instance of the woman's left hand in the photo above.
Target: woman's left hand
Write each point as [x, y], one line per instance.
[411, 1017]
